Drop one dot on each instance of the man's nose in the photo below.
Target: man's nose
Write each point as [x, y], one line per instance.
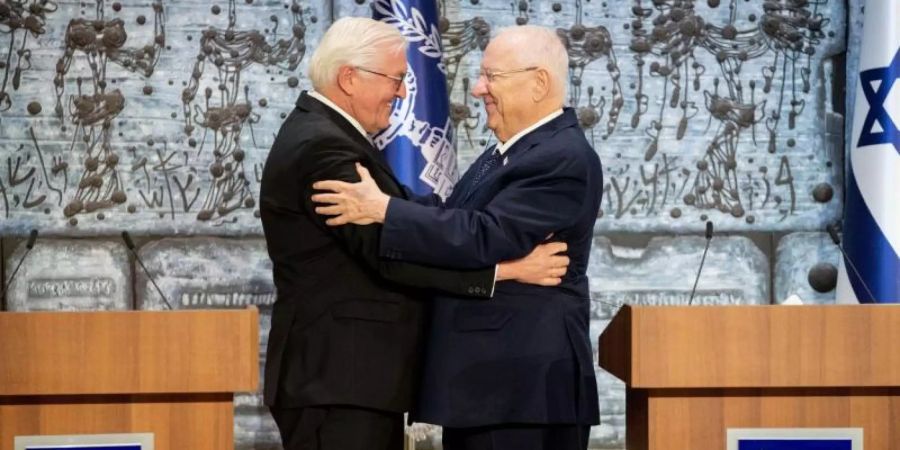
[480, 89]
[401, 92]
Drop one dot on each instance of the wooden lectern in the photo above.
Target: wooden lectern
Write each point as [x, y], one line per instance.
[170, 373]
[693, 372]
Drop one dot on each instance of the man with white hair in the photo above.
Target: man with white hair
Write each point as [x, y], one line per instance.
[515, 373]
[344, 350]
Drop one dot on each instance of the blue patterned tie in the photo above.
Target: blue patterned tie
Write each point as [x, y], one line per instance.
[490, 163]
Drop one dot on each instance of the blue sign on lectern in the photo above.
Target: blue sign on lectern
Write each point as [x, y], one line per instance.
[127, 441]
[795, 439]
[86, 447]
[795, 444]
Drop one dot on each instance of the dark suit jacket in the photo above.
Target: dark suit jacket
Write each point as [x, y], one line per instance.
[343, 330]
[524, 356]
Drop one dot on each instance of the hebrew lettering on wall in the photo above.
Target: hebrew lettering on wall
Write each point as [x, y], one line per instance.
[20, 21]
[153, 117]
[162, 114]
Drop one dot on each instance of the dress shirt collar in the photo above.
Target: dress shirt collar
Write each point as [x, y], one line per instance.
[504, 146]
[340, 111]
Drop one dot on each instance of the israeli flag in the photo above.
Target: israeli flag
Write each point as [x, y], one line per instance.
[418, 143]
[872, 209]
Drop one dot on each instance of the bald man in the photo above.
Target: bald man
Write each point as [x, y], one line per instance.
[514, 373]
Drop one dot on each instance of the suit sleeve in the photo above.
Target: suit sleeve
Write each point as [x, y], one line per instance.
[427, 200]
[542, 200]
[336, 163]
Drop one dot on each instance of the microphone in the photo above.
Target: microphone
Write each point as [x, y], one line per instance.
[616, 305]
[130, 244]
[836, 238]
[32, 237]
[709, 235]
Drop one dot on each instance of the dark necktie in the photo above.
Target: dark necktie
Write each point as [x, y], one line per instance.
[489, 164]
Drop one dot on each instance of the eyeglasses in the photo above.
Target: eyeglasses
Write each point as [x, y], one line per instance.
[397, 79]
[491, 76]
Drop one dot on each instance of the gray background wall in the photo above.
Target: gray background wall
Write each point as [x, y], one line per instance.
[158, 120]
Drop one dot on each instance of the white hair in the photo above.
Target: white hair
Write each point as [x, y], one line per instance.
[541, 47]
[352, 41]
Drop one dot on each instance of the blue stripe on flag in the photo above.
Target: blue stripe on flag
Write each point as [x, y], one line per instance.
[869, 250]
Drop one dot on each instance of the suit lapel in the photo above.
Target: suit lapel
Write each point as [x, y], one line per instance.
[307, 103]
[514, 154]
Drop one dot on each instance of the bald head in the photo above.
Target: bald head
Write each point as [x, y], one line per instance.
[523, 78]
[534, 46]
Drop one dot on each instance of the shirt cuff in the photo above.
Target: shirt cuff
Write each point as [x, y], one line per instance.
[494, 284]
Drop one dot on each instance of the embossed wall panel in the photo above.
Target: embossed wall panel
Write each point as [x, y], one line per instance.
[806, 265]
[699, 109]
[70, 275]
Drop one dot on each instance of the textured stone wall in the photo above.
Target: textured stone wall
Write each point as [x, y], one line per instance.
[155, 116]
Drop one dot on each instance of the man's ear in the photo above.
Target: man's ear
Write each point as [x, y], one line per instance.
[346, 80]
[542, 85]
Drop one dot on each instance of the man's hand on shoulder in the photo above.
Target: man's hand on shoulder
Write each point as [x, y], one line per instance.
[360, 203]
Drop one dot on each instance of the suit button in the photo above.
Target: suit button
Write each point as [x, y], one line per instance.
[471, 290]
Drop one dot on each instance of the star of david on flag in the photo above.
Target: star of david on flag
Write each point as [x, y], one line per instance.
[418, 143]
[886, 78]
[872, 204]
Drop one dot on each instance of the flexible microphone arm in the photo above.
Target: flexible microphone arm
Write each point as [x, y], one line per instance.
[32, 237]
[836, 238]
[130, 244]
[709, 235]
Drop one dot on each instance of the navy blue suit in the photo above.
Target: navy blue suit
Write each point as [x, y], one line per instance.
[524, 356]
